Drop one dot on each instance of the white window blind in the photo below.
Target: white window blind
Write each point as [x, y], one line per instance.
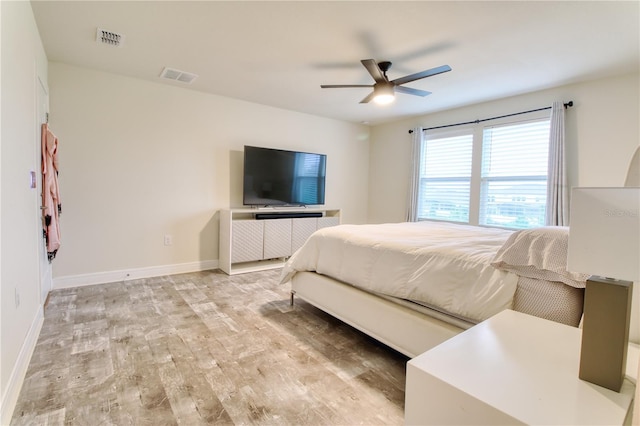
[445, 178]
[513, 190]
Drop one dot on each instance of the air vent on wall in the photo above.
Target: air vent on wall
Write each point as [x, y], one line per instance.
[109, 38]
[177, 75]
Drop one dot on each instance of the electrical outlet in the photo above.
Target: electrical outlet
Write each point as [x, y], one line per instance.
[168, 240]
[17, 297]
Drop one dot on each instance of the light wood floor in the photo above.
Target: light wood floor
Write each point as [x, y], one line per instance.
[204, 348]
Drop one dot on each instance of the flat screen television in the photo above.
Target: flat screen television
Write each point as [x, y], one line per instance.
[275, 177]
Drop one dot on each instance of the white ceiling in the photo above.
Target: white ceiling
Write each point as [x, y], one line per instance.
[279, 53]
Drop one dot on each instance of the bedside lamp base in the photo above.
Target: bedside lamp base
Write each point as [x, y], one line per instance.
[605, 332]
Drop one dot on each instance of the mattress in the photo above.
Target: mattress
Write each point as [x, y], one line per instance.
[551, 300]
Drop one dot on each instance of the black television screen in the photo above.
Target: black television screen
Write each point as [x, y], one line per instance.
[278, 177]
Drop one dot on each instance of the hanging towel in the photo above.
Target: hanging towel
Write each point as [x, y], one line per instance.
[51, 204]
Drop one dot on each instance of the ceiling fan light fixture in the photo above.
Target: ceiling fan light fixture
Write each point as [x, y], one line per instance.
[384, 94]
[384, 99]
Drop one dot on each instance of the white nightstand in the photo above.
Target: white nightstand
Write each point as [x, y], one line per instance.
[511, 369]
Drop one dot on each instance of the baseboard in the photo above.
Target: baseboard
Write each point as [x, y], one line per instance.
[131, 274]
[11, 393]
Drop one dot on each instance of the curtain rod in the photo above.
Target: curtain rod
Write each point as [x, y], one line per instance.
[566, 105]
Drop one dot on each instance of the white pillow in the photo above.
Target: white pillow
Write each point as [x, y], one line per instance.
[539, 253]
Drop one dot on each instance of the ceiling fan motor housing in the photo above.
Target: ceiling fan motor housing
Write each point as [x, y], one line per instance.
[384, 66]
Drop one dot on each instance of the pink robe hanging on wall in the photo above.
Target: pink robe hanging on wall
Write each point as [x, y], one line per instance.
[50, 191]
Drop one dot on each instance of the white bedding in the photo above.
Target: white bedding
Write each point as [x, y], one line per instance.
[443, 265]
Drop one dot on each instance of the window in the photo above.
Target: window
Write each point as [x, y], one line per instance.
[513, 190]
[504, 185]
[445, 178]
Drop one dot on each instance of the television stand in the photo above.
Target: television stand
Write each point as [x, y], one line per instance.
[252, 240]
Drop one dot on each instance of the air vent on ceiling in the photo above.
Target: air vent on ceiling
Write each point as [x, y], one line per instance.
[177, 75]
[109, 38]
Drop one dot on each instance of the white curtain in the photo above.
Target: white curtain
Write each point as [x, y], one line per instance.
[414, 182]
[557, 191]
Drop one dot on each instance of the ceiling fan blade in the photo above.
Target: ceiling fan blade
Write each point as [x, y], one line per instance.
[374, 70]
[410, 91]
[340, 86]
[423, 74]
[368, 98]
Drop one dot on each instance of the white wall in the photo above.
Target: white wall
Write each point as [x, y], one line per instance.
[23, 61]
[601, 134]
[140, 160]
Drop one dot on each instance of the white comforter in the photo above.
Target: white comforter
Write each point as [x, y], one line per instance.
[443, 265]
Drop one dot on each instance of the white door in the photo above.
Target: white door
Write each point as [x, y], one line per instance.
[45, 266]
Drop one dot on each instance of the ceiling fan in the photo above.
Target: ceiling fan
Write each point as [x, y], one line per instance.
[383, 89]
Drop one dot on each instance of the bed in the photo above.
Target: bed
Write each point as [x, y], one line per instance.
[414, 285]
